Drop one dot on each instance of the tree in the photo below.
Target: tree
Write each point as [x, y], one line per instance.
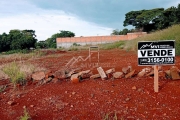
[24, 39]
[143, 19]
[115, 32]
[51, 42]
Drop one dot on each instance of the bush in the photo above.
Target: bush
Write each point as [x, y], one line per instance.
[13, 71]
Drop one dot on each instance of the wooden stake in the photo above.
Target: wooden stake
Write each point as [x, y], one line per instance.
[156, 81]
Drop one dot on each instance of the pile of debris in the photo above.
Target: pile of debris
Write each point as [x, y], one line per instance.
[76, 75]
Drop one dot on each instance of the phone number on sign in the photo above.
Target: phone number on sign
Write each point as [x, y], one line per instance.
[162, 60]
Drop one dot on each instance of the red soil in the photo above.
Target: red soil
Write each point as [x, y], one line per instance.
[94, 99]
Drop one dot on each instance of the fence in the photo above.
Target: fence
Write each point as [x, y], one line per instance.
[93, 40]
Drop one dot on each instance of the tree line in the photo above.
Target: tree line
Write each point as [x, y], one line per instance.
[26, 39]
[150, 20]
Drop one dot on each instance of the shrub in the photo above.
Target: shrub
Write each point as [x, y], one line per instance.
[13, 71]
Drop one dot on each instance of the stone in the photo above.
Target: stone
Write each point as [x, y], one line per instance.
[75, 78]
[134, 88]
[168, 73]
[60, 74]
[55, 80]
[148, 69]
[110, 71]
[101, 73]
[127, 69]
[31, 106]
[11, 103]
[95, 76]
[85, 74]
[151, 73]
[174, 73]
[48, 80]
[117, 75]
[38, 76]
[48, 74]
[141, 73]
[131, 74]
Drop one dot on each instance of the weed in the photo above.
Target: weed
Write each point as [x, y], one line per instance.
[13, 71]
[111, 116]
[26, 115]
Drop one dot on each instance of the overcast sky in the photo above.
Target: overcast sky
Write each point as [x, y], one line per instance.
[83, 17]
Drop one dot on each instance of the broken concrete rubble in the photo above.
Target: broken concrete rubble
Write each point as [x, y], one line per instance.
[130, 74]
[95, 76]
[117, 75]
[60, 74]
[101, 73]
[110, 72]
[127, 69]
[174, 73]
[38, 76]
[75, 78]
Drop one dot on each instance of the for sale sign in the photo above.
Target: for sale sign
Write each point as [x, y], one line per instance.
[156, 53]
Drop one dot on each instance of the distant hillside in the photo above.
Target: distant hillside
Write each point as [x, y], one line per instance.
[171, 33]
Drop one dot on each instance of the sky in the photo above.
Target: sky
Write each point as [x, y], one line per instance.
[82, 17]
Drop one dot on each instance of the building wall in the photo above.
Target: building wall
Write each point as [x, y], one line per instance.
[67, 42]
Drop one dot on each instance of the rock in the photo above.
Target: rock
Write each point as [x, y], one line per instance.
[101, 73]
[117, 75]
[60, 74]
[95, 76]
[151, 73]
[48, 74]
[131, 74]
[48, 80]
[73, 93]
[75, 78]
[142, 73]
[31, 106]
[174, 73]
[38, 76]
[11, 103]
[168, 73]
[110, 71]
[85, 74]
[127, 99]
[55, 80]
[134, 88]
[127, 69]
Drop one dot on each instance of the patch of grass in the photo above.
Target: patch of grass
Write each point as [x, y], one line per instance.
[26, 115]
[171, 33]
[108, 46]
[13, 71]
[111, 116]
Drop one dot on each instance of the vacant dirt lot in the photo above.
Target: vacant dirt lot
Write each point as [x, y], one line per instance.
[132, 99]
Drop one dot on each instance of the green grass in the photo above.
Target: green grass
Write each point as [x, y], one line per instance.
[108, 46]
[171, 33]
[13, 71]
[26, 115]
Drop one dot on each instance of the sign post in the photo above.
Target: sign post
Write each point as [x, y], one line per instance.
[156, 53]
